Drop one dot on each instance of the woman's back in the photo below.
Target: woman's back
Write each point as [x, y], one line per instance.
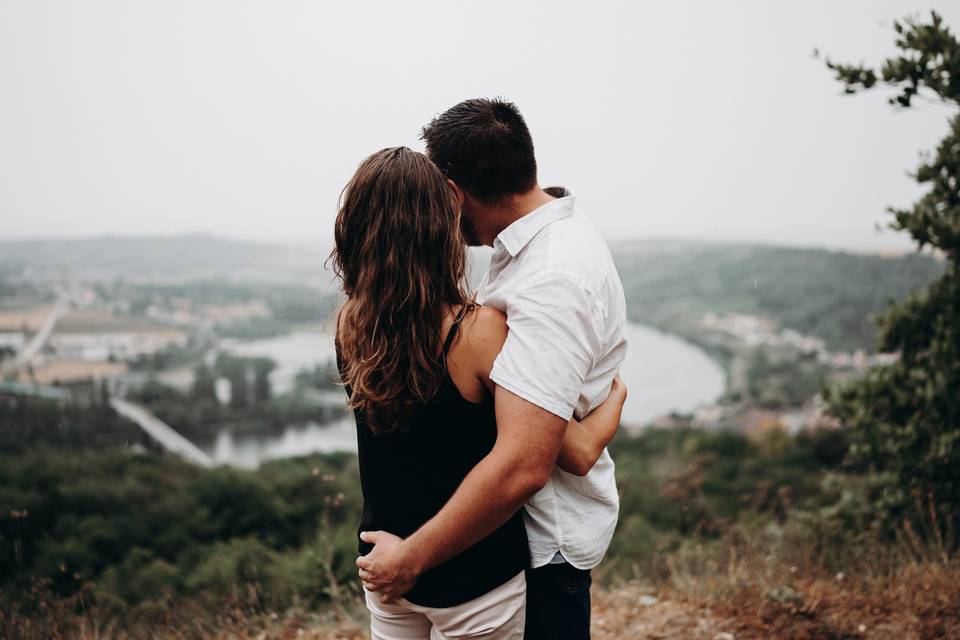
[408, 475]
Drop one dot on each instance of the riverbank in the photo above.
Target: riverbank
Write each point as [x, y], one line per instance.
[773, 376]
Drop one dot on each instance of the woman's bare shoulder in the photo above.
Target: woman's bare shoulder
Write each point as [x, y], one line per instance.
[492, 318]
[486, 324]
[484, 331]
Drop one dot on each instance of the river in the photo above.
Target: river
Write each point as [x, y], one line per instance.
[663, 374]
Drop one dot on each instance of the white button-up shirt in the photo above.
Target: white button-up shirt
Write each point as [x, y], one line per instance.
[554, 277]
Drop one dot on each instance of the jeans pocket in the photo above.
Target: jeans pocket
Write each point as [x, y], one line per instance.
[578, 581]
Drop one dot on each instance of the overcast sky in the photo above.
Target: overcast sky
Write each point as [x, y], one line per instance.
[706, 119]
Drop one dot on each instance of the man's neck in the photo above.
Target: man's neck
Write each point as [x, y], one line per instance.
[513, 208]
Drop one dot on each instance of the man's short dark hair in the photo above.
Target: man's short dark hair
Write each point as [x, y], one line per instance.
[485, 147]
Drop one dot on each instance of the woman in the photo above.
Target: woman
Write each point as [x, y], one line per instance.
[415, 355]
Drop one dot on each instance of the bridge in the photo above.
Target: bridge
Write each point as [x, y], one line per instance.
[161, 432]
[157, 429]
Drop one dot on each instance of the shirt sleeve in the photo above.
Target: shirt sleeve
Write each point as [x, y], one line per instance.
[552, 343]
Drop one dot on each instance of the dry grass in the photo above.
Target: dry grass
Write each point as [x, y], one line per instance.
[58, 620]
[738, 589]
[918, 601]
[754, 596]
[634, 610]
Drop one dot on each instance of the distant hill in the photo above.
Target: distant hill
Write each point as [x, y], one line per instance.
[199, 255]
[829, 294]
[669, 284]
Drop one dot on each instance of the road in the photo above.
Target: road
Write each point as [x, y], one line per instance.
[30, 351]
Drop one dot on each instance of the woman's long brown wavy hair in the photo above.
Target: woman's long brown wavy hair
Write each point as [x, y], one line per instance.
[401, 257]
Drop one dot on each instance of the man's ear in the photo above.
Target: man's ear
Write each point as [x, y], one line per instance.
[458, 192]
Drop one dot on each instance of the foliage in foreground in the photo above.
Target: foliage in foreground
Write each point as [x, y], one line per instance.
[906, 416]
[125, 536]
[137, 539]
[134, 544]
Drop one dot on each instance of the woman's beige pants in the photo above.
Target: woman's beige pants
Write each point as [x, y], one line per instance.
[496, 615]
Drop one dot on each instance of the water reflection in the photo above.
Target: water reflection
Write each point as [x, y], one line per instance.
[292, 352]
[664, 374]
[249, 450]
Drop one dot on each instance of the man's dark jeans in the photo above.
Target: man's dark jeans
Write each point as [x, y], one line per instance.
[558, 603]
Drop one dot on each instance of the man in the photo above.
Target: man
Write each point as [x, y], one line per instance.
[553, 276]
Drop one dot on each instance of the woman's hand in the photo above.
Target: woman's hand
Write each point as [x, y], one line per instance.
[618, 392]
[586, 439]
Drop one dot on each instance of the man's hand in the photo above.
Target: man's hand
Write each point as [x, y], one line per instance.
[528, 440]
[386, 569]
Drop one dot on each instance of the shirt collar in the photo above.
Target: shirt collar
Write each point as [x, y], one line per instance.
[515, 237]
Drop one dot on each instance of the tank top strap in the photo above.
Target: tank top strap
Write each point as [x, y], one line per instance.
[454, 328]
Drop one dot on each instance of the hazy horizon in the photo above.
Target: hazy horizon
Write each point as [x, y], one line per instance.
[689, 121]
[324, 245]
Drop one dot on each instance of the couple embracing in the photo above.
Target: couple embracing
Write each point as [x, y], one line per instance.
[482, 419]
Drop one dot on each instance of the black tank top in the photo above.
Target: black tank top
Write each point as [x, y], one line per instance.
[407, 476]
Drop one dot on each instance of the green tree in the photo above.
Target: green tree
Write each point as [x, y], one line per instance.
[239, 390]
[906, 416]
[249, 379]
[204, 384]
[262, 390]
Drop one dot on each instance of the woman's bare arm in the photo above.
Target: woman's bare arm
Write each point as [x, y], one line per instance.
[586, 439]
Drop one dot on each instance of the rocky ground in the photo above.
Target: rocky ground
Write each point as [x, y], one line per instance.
[633, 611]
[627, 612]
[816, 610]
